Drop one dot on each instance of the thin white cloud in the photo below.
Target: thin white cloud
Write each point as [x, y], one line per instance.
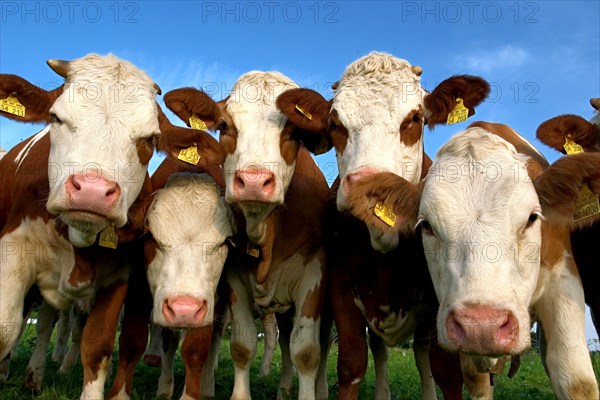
[505, 57]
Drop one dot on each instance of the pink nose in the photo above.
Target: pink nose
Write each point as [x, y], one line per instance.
[254, 185]
[184, 311]
[482, 330]
[357, 175]
[91, 192]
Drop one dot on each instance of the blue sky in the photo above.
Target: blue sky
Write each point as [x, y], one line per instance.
[542, 58]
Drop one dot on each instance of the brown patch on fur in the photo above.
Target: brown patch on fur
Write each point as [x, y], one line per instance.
[288, 144]
[83, 269]
[338, 133]
[554, 132]
[308, 359]
[145, 149]
[311, 102]
[559, 185]
[37, 101]
[266, 253]
[411, 129]
[427, 163]
[581, 389]
[194, 352]
[554, 239]
[472, 89]
[394, 192]
[150, 247]
[311, 308]
[173, 139]
[239, 354]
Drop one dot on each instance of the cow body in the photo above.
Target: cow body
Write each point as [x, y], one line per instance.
[497, 261]
[377, 271]
[78, 177]
[280, 195]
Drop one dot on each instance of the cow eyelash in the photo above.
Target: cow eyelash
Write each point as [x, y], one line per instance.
[425, 227]
[416, 118]
[54, 119]
[223, 128]
[531, 220]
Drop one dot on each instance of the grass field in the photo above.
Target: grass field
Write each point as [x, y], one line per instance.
[530, 382]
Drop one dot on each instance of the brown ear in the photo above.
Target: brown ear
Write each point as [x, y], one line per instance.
[438, 104]
[186, 102]
[137, 214]
[173, 139]
[560, 184]
[555, 131]
[308, 111]
[394, 193]
[36, 101]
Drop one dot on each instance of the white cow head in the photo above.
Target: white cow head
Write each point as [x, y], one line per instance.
[261, 147]
[375, 120]
[187, 224]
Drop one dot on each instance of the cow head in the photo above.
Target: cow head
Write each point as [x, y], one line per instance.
[485, 238]
[260, 145]
[104, 127]
[375, 120]
[184, 260]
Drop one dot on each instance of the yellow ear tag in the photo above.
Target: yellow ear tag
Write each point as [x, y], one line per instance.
[586, 205]
[385, 214]
[197, 123]
[459, 114]
[253, 250]
[189, 155]
[304, 112]
[321, 148]
[12, 105]
[108, 238]
[571, 147]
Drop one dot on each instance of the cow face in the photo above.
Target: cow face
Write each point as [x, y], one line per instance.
[184, 260]
[481, 230]
[376, 118]
[260, 146]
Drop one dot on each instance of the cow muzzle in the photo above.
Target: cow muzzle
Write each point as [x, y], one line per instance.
[185, 312]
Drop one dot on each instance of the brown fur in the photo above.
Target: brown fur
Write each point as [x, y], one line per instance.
[472, 89]
[411, 131]
[555, 131]
[186, 102]
[395, 192]
[559, 186]
[311, 102]
[37, 101]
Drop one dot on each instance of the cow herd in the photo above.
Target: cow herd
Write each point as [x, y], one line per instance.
[461, 253]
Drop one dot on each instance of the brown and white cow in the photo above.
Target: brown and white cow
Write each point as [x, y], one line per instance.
[377, 273]
[282, 195]
[585, 234]
[495, 229]
[65, 185]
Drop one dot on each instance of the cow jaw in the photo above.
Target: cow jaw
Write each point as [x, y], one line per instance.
[482, 249]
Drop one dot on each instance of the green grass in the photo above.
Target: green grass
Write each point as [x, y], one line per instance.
[530, 382]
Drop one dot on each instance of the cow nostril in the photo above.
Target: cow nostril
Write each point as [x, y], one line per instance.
[268, 182]
[75, 184]
[239, 182]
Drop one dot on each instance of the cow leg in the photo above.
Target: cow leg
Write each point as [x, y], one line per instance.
[478, 384]
[380, 358]
[169, 343]
[63, 332]
[561, 311]
[243, 335]
[194, 351]
[421, 350]
[75, 348]
[207, 387]
[98, 338]
[269, 324]
[446, 371]
[154, 352]
[34, 374]
[325, 339]
[285, 325]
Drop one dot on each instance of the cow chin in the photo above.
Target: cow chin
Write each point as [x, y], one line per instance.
[383, 242]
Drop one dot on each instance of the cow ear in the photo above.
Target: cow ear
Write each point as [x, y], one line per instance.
[439, 103]
[308, 111]
[189, 102]
[203, 149]
[559, 186]
[23, 101]
[555, 131]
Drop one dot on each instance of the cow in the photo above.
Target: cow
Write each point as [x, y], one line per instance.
[495, 224]
[585, 234]
[377, 273]
[71, 188]
[280, 196]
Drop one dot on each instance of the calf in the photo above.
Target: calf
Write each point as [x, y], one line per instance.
[585, 234]
[495, 224]
[69, 188]
[281, 195]
[377, 272]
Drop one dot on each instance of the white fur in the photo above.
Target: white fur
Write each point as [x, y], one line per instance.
[190, 256]
[477, 199]
[374, 95]
[107, 105]
[259, 124]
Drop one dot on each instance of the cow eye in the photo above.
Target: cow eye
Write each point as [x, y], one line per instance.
[54, 119]
[532, 218]
[151, 141]
[416, 118]
[426, 227]
[223, 128]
